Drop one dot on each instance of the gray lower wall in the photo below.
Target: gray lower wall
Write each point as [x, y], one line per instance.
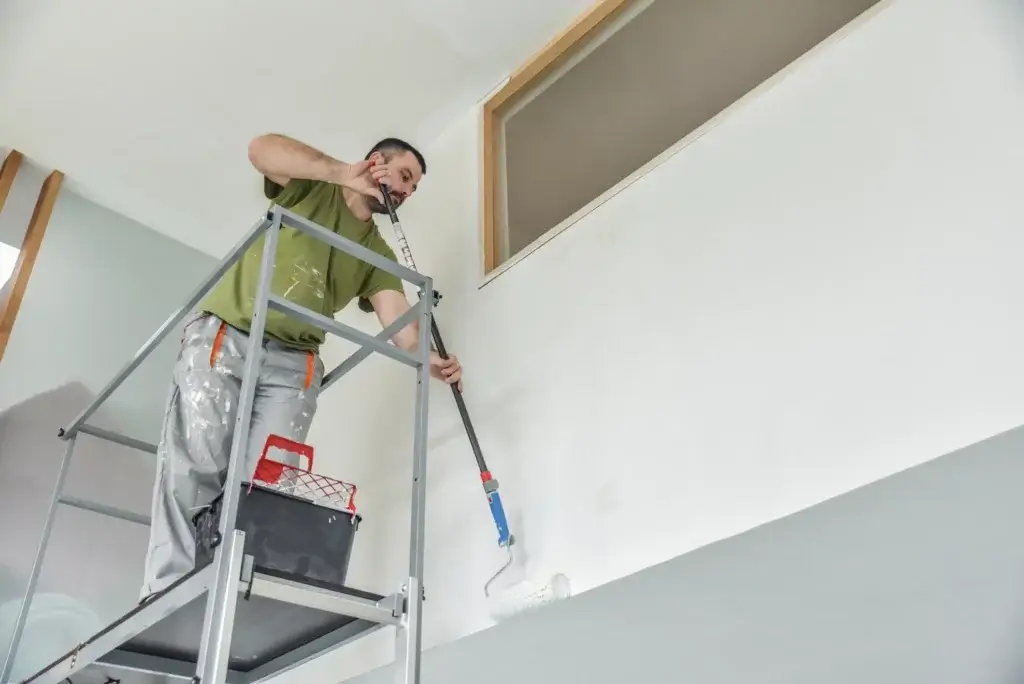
[916, 578]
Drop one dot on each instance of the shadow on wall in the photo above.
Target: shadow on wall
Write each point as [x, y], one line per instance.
[93, 565]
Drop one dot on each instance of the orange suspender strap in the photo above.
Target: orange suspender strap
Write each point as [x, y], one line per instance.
[309, 370]
[217, 341]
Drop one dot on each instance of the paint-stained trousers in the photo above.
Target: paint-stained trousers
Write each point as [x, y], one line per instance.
[199, 424]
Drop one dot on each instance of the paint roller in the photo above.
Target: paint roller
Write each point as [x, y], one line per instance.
[523, 595]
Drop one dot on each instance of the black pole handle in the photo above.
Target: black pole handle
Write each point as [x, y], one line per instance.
[460, 402]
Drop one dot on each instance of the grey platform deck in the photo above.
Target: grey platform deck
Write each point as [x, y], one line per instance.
[278, 625]
[265, 629]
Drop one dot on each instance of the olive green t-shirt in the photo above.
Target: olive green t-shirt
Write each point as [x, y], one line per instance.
[307, 272]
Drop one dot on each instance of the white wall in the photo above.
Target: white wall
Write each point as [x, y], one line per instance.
[101, 285]
[820, 291]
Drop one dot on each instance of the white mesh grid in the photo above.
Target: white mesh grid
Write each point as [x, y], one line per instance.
[318, 489]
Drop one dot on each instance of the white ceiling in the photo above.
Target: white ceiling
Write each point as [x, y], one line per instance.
[148, 106]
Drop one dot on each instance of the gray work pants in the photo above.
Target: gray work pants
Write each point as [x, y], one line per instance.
[199, 424]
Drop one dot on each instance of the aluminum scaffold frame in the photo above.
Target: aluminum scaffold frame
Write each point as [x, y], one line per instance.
[231, 572]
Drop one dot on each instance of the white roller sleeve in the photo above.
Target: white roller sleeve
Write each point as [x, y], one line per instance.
[528, 595]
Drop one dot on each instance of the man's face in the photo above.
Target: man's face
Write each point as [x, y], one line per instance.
[403, 178]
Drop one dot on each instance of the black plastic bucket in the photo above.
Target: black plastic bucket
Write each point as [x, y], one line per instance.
[287, 537]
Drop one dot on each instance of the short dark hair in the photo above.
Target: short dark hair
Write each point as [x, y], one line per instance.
[393, 144]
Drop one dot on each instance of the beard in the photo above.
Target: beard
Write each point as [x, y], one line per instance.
[378, 207]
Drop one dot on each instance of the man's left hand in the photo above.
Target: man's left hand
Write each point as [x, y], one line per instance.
[447, 370]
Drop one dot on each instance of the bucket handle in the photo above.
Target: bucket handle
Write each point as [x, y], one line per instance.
[268, 470]
[291, 446]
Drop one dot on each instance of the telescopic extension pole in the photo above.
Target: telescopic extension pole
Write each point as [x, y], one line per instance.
[505, 538]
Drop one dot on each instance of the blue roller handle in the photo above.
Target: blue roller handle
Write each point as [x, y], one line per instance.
[498, 513]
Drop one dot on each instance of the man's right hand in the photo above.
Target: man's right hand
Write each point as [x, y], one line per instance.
[362, 177]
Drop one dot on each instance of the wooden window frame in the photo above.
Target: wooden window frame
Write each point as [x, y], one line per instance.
[30, 244]
[560, 49]
[563, 48]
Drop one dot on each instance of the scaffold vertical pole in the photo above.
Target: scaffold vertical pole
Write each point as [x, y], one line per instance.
[410, 634]
[215, 645]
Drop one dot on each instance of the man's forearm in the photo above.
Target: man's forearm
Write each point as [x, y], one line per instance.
[408, 338]
[391, 305]
[280, 157]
